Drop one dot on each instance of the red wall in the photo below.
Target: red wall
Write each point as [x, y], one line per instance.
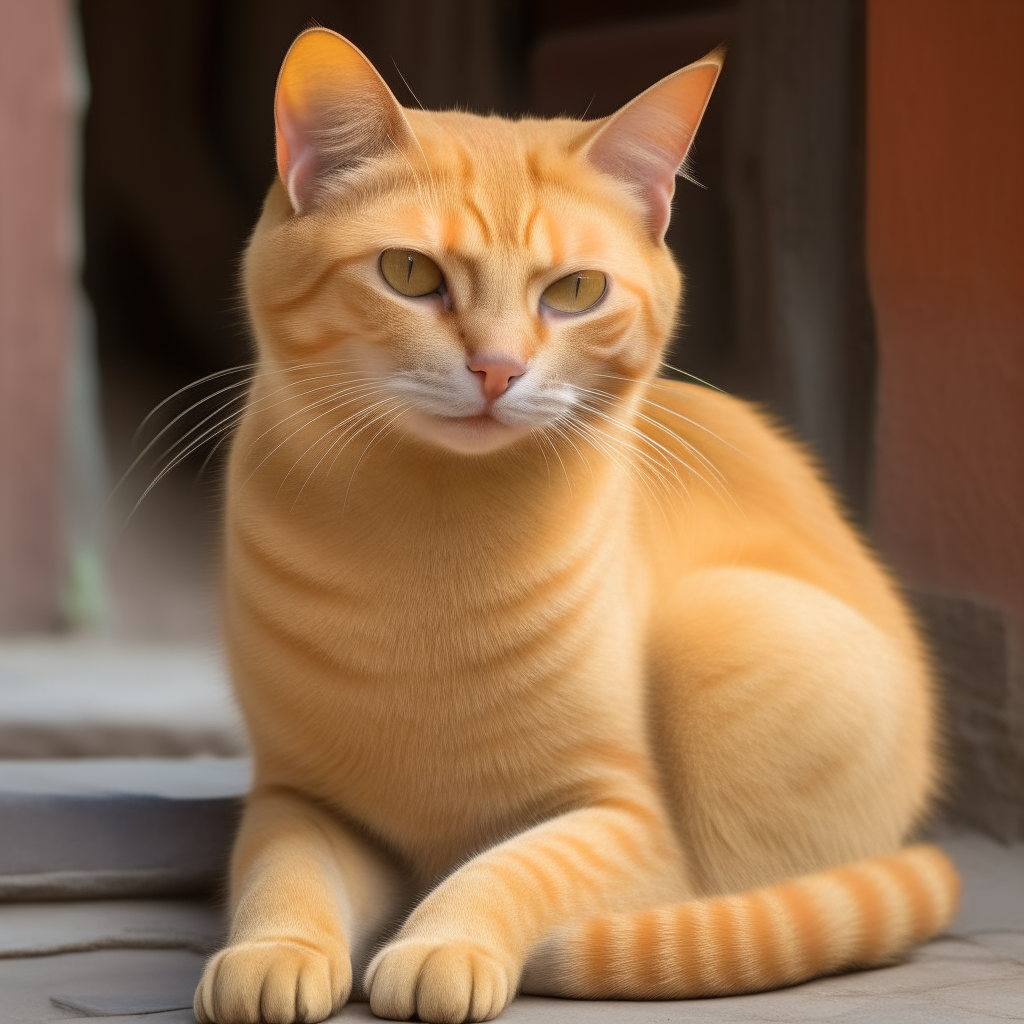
[946, 264]
[35, 282]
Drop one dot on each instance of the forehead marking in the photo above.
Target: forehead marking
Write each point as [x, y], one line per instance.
[451, 232]
[309, 288]
[555, 239]
[479, 217]
[464, 179]
[528, 227]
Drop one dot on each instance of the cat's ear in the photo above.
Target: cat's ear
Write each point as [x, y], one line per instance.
[333, 111]
[645, 143]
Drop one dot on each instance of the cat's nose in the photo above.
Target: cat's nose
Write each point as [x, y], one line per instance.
[495, 373]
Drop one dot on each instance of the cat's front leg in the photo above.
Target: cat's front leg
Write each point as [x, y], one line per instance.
[304, 892]
[460, 954]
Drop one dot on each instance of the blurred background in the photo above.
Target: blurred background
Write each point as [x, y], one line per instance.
[854, 257]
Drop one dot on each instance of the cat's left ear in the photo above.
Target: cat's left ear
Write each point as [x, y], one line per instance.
[645, 143]
[333, 111]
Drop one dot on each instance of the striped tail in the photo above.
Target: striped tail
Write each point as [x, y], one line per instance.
[862, 915]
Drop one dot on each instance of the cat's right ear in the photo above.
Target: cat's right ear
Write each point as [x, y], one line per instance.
[646, 142]
[333, 111]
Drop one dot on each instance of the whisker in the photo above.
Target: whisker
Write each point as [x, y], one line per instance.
[352, 475]
[185, 412]
[335, 392]
[329, 431]
[627, 467]
[648, 460]
[590, 468]
[145, 451]
[721, 487]
[630, 467]
[544, 454]
[636, 432]
[682, 440]
[558, 455]
[202, 380]
[225, 417]
[674, 412]
[644, 437]
[297, 430]
[684, 373]
[225, 425]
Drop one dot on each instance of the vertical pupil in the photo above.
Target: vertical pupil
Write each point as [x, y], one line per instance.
[408, 276]
[579, 281]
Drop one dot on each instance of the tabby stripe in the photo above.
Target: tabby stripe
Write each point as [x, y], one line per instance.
[528, 226]
[648, 941]
[509, 877]
[547, 885]
[634, 808]
[481, 220]
[746, 961]
[766, 961]
[811, 935]
[895, 926]
[312, 287]
[597, 953]
[916, 897]
[722, 945]
[871, 910]
[571, 869]
[587, 853]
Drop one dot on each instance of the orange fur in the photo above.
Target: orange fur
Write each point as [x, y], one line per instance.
[601, 674]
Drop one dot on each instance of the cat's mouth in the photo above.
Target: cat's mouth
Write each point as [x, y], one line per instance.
[481, 419]
[463, 420]
[476, 434]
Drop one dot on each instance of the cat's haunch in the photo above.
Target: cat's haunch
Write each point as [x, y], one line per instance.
[560, 677]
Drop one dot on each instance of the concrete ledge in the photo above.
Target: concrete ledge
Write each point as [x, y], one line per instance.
[101, 828]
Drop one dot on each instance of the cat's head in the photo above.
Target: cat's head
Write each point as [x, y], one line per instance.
[467, 280]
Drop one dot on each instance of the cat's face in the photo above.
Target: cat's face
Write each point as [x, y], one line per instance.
[471, 281]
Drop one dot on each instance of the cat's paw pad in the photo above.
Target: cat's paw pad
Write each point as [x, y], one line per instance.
[439, 982]
[272, 983]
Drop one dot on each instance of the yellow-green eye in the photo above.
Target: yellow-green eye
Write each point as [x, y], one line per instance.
[410, 273]
[575, 292]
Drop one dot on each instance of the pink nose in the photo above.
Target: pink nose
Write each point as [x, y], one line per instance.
[495, 373]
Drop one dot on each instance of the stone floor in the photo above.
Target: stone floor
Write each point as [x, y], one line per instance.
[120, 959]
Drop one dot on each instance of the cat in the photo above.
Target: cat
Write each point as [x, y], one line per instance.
[560, 677]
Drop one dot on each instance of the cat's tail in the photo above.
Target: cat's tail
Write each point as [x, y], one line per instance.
[862, 915]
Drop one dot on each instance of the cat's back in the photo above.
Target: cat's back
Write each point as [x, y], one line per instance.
[722, 484]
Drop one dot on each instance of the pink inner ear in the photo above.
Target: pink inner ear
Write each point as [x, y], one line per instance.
[296, 155]
[292, 151]
[333, 111]
[646, 142]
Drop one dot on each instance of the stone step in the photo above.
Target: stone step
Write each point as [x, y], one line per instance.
[117, 827]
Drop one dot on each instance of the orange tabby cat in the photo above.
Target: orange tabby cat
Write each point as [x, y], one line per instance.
[561, 678]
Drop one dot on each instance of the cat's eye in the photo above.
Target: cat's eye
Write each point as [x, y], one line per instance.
[575, 292]
[410, 273]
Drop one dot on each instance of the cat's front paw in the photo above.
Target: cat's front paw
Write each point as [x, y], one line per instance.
[439, 982]
[272, 982]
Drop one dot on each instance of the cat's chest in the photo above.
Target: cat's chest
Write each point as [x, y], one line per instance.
[433, 705]
[437, 774]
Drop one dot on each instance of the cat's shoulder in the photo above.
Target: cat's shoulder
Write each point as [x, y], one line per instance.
[733, 439]
[698, 411]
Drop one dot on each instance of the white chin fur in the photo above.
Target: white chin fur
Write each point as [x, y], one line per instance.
[474, 435]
